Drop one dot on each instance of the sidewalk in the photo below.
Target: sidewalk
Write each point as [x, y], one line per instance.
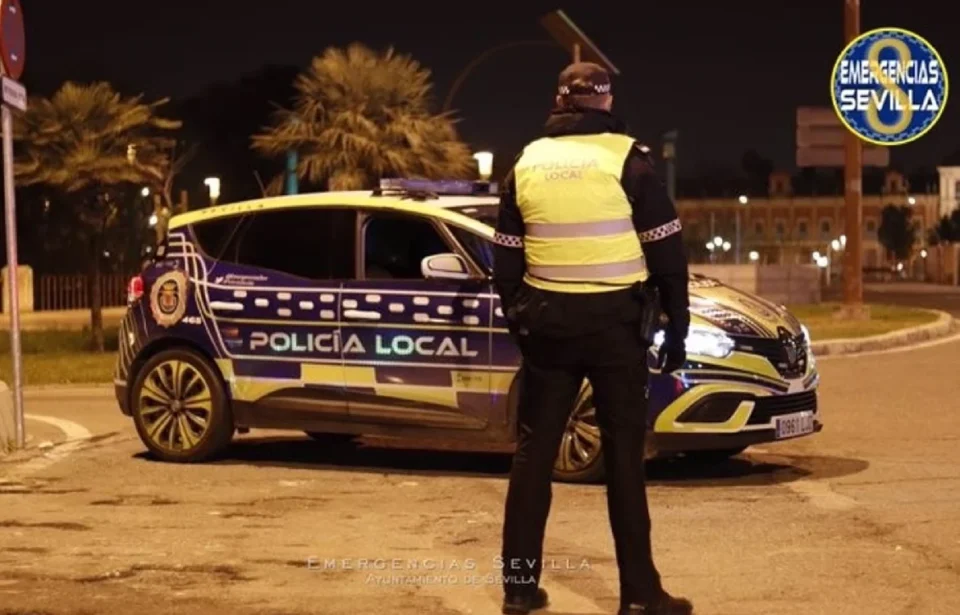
[919, 288]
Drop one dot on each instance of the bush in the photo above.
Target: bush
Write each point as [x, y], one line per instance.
[41, 342]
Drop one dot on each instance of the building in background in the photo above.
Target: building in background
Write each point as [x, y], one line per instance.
[783, 227]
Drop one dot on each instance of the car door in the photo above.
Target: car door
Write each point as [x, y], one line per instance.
[416, 350]
[274, 295]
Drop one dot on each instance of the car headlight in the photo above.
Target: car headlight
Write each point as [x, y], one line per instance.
[703, 341]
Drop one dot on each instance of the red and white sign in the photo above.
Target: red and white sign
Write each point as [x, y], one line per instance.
[13, 46]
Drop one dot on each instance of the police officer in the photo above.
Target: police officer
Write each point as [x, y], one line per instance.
[583, 222]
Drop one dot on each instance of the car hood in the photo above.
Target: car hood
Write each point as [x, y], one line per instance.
[736, 312]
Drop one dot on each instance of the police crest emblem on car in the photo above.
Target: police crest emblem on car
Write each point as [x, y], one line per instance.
[167, 298]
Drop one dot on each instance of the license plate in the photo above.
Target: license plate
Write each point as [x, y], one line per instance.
[793, 425]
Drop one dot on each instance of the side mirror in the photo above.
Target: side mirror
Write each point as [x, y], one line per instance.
[444, 267]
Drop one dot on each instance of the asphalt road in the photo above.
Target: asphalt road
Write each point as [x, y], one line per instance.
[862, 518]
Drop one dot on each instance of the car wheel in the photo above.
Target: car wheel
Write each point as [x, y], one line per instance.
[580, 459]
[180, 408]
[714, 456]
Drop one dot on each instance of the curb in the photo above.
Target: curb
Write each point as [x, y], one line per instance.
[944, 326]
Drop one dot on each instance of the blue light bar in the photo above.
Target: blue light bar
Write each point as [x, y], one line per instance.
[461, 187]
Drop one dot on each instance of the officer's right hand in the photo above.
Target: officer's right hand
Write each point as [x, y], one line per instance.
[672, 355]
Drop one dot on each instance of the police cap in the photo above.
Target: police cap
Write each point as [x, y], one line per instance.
[584, 79]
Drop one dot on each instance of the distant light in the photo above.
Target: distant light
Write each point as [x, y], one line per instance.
[213, 183]
[843, 240]
[726, 246]
[816, 256]
[106, 254]
[754, 255]
[743, 199]
[835, 244]
[899, 266]
[484, 164]
[823, 262]
[718, 241]
[911, 201]
[153, 220]
[710, 246]
[145, 191]
[149, 249]
[923, 254]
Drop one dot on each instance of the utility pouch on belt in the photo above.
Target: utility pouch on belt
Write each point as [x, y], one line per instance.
[649, 298]
[527, 311]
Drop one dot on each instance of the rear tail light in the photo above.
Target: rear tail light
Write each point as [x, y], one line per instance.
[134, 289]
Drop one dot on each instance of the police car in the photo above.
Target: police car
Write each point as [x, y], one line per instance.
[373, 313]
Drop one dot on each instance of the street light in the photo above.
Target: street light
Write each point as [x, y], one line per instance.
[835, 244]
[718, 241]
[726, 246]
[911, 201]
[213, 184]
[153, 220]
[843, 241]
[484, 164]
[754, 255]
[145, 192]
[923, 253]
[743, 200]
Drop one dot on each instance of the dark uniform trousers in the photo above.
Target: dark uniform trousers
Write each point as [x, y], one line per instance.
[553, 370]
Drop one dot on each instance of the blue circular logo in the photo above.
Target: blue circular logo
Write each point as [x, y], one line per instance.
[889, 86]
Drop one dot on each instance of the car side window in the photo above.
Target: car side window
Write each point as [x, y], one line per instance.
[394, 245]
[316, 243]
[479, 247]
[213, 235]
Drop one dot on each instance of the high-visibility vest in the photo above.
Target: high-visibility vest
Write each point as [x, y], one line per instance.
[579, 234]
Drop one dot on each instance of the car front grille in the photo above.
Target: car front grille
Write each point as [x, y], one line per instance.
[765, 408]
[777, 351]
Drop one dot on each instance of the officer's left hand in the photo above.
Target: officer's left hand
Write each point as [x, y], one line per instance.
[671, 357]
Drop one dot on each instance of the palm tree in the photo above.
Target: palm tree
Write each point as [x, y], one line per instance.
[360, 115]
[89, 143]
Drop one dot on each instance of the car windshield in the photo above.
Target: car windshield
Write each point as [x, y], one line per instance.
[481, 213]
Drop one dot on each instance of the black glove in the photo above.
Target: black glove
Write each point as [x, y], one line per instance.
[672, 355]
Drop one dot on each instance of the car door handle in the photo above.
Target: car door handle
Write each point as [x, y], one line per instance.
[361, 315]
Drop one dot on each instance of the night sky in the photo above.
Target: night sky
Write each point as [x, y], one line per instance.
[727, 74]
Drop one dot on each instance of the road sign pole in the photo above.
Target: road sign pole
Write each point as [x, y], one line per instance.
[10, 217]
[853, 159]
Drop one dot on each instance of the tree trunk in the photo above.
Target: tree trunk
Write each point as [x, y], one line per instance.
[96, 307]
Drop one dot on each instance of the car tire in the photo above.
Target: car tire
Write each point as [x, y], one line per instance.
[580, 458]
[714, 456]
[180, 409]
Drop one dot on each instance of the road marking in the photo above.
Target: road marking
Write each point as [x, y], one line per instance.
[821, 495]
[76, 434]
[928, 344]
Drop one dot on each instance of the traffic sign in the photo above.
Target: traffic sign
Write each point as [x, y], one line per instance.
[14, 94]
[13, 48]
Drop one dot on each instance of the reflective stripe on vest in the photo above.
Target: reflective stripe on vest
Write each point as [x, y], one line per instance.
[588, 272]
[578, 227]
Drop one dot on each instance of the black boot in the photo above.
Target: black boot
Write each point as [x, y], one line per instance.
[521, 604]
[665, 604]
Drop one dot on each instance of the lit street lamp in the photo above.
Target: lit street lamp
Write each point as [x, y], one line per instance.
[743, 199]
[484, 164]
[911, 201]
[145, 192]
[213, 185]
[152, 222]
[754, 255]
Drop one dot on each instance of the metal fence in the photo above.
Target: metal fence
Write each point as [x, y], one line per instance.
[72, 292]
